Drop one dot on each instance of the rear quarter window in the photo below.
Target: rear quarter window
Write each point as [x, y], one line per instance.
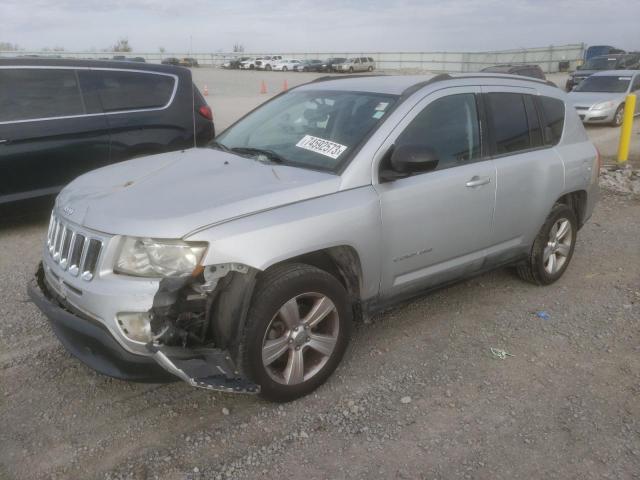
[121, 91]
[32, 93]
[553, 119]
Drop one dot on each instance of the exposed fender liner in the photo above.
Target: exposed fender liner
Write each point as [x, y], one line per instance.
[229, 311]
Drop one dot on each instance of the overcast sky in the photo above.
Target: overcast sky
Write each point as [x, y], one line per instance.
[319, 25]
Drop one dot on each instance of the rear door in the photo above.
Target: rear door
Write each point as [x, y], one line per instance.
[48, 136]
[437, 225]
[147, 112]
[529, 170]
[635, 89]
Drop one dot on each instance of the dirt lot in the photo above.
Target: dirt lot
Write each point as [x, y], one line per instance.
[419, 394]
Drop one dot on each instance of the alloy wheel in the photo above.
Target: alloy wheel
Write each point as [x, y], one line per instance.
[558, 246]
[300, 338]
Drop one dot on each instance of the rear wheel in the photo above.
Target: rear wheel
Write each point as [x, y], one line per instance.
[553, 247]
[297, 330]
[284, 69]
[268, 68]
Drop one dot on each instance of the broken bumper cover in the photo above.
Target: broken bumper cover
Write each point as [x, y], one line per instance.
[94, 345]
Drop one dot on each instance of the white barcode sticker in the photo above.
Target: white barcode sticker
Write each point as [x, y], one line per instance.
[321, 146]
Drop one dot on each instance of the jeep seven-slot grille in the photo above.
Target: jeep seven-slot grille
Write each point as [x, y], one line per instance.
[74, 251]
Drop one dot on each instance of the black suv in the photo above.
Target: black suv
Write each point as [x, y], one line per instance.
[524, 70]
[61, 118]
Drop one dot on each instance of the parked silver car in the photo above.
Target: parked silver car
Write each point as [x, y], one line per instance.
[600, 98]
[356, 64]
[241, 267]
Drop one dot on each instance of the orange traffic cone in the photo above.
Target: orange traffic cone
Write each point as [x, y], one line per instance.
[285, 85]
[263, 87]
[206, 91]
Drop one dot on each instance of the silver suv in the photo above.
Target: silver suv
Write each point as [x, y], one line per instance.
[240, 267]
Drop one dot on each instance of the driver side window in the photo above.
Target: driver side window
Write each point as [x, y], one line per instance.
[448, 126]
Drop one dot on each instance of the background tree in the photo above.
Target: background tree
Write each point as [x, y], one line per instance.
[9, 47]
[122, 45]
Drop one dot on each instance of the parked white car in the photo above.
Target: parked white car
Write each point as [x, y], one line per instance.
[249, 64]
[285, 65]
[268, 62]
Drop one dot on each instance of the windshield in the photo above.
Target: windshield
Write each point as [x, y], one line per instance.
[312, 129]
[603, 84]
[601, 63]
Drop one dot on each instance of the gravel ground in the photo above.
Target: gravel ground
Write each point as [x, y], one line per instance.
[418, 395]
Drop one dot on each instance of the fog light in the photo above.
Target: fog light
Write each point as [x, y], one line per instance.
[136, 326]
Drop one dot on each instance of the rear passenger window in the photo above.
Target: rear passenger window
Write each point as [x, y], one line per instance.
[121, 91]
[553, 113]
[31, 93]
[449, 126]
[509, 119]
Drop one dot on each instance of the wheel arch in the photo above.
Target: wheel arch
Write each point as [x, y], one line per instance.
[577, 201]
[342, 261]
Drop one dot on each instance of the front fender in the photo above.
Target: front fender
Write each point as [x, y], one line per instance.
[347, 218]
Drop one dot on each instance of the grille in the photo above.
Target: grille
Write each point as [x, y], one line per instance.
[76, 252]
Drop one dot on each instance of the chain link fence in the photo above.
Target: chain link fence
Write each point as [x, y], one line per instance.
[551, 59]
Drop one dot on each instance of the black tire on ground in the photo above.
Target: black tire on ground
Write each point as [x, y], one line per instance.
[533, 270]
[350, 69]
[268, 68]
[618, 117]
[370, 69]
[284, 69]
[276, 287]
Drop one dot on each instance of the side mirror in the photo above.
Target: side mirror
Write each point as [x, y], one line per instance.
[409, 159]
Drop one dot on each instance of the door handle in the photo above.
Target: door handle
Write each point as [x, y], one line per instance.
[477, 181]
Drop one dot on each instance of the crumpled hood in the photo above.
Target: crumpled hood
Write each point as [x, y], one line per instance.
[587, 99]
[172, 194]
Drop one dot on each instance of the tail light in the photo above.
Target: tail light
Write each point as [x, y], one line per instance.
[205, 111]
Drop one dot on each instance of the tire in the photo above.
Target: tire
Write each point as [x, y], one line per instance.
[268, 331]
[268, 68]
[618, 116]
[538, 269]
[284, 69]
[350, 69]
[370, 69]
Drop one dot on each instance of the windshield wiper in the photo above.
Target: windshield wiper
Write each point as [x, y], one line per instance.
[270, 154]
[219, 146]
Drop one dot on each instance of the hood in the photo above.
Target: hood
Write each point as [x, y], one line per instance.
[172, 194]
[587, 99]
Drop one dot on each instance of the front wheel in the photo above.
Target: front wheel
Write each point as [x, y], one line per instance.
[350, 69]
[370, 69]
[297, 331]
[618, 117]
[284, 69]
[268, 68]
[553, 247]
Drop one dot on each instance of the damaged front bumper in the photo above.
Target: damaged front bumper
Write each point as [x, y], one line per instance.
[93, 344]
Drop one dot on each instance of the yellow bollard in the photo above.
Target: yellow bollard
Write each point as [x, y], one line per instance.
[625, 131]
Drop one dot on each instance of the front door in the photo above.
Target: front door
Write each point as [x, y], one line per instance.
[435, 225]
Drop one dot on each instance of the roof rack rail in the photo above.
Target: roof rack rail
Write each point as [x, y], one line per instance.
[506, 77]
[338, 77]
[417, 86]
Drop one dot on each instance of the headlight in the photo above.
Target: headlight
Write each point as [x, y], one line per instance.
[145, 257]
[603, 105]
